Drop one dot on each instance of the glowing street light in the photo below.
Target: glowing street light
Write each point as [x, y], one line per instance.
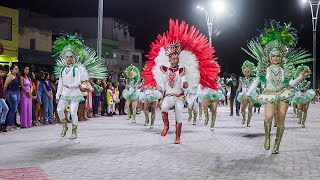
[217, 7]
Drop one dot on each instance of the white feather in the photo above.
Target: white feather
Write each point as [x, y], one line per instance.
[83, 72]
[186, 59]
[189, 61]
[161, 59]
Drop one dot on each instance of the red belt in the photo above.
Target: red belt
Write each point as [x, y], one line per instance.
[176, 95]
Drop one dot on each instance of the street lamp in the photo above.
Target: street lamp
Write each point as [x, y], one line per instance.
[218, 7]
[100, 23]
[314, 6]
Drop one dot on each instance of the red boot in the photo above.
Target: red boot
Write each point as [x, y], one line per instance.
[178, 133]
[165, 119]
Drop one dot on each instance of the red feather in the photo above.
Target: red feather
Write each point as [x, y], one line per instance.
[192, 40]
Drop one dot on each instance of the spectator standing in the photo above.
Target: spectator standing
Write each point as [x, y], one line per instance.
[25, 99]
[3, 105]
[47, 99]
[233, 85]
[12, 91]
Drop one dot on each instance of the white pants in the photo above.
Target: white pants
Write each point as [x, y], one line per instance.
[178, 104]
[111, 108]
[192, 101]
[63, 104]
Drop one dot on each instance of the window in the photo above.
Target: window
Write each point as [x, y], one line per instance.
[136, 59]
[5, 28]
[122, 57]
[125, 33]
[32, 44]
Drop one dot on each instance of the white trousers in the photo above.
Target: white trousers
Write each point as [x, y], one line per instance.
[178, 104]
[192, 101]
[63, 104]
[111, 108]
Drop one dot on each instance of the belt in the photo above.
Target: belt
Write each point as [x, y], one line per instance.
[176, 95]
[271, 91]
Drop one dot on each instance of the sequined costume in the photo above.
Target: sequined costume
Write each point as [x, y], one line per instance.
[276, 55]
[75, 63]
[178, 59]
[132, 91]
[302, 97]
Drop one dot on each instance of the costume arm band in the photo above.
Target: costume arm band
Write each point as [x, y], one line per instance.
[294, 82]
[253, 86]
[59, 91]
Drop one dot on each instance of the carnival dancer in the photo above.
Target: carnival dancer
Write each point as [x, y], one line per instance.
[193, 104]
[75, 63]
[179, 58]
[210, 99]
[303, 96]
[244, 85]
[276, 56]
[131, 93]
[150, 97]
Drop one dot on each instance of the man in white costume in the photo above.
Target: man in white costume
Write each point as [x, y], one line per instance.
[174, 86]
[68, 93]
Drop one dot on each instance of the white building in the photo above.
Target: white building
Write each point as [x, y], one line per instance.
[118, 44]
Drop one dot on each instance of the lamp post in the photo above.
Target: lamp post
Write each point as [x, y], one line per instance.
[217, 7]
[100, 22]
[209, 19]
[314, 6]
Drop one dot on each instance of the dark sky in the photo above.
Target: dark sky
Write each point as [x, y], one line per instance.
[241, 22]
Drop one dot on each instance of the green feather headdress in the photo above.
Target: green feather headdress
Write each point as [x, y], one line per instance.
[85, 57]
[248, 65]
[68, 44]
[285, 34]
[277, 39]
[132, 69]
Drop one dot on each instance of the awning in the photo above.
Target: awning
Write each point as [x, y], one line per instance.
[28, 56]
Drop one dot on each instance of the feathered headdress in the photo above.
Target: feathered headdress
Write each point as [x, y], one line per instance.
[281, 40]
[173, 49]
[134, 71]
[248, 65]
[85, 58]
[193, 50]
[68, 45]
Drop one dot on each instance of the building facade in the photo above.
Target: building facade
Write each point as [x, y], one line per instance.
[35, 44]
[118, 43]
[9, 35]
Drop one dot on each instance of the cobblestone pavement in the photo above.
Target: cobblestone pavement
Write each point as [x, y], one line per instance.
[114, 148]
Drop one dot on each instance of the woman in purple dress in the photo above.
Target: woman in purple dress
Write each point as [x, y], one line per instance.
[25, 99]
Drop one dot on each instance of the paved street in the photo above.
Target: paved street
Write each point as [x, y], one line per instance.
[114, 148]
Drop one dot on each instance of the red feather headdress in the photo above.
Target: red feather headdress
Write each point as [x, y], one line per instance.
[192, 42]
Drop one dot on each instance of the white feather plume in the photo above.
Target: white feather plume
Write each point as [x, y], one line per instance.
[186, 59]
[189, 61]
[161, 59]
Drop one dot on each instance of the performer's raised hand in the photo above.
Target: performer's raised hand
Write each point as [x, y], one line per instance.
[305, 73]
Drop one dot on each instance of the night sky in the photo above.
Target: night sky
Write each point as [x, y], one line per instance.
[240, 23]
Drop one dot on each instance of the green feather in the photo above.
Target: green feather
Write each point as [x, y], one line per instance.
[273, 30]
[300, 69]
